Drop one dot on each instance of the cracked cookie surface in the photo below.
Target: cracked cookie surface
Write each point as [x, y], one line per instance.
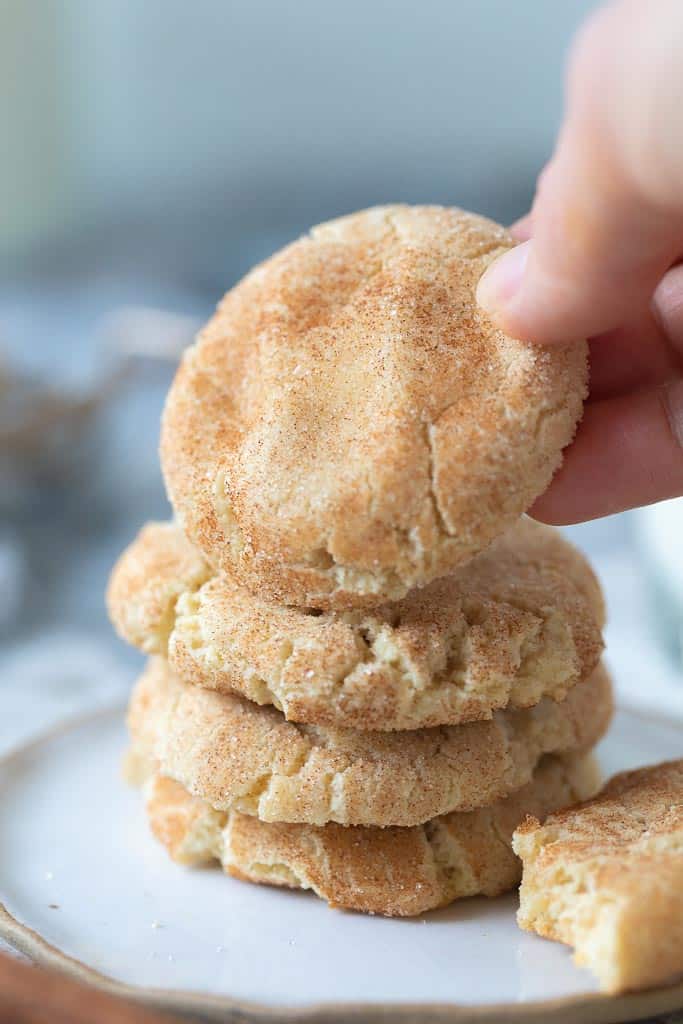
[350, 424]
[392, 871]
[521, 621]
[238, 756]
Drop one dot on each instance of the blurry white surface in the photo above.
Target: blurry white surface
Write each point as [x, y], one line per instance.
[660, 534]
[645, 673]
[78, 864]
[59, 674]
[661, 530]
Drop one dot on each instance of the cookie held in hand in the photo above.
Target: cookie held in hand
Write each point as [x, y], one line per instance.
[350, 424]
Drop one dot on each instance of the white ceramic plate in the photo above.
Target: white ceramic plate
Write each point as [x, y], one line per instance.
[86, 888]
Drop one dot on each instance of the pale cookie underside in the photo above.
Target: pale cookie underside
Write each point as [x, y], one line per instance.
[607, 878]
[392, 871]
[239, 756]
[519, 622]
[350, 424]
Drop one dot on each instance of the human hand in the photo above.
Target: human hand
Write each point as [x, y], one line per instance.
[604, 235]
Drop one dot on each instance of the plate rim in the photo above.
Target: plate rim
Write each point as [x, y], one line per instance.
[604, 1009]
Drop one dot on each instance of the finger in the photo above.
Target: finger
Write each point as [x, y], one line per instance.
[521, 230]
[668, 307]
[630, 358]
[608, 215]
[648, 351]
[628, 452]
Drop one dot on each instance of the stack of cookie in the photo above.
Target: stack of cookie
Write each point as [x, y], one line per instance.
[367, 666]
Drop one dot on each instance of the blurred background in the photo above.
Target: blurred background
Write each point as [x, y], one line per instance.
[152, 152]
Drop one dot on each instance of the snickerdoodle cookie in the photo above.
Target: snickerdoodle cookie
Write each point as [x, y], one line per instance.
[393, 871]
[350, 424]
[607, 878]
[521, 621]
[238, 756]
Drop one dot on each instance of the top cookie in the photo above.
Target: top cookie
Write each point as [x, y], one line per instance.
[350, 424]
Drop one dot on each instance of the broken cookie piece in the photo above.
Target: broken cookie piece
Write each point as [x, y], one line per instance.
[606, 877]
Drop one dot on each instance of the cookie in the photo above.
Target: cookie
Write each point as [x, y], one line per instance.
[521, 621]
[350, 424]
[236, 755]
[148, 580]
[392, 871]
[607, 878]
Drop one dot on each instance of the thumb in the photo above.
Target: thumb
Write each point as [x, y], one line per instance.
[608, 214]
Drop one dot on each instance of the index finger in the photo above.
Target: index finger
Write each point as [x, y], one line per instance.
[608, 215]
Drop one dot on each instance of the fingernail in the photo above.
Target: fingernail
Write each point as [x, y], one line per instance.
[500, 282]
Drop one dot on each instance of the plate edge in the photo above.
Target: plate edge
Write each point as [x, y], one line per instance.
[566, 1010]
